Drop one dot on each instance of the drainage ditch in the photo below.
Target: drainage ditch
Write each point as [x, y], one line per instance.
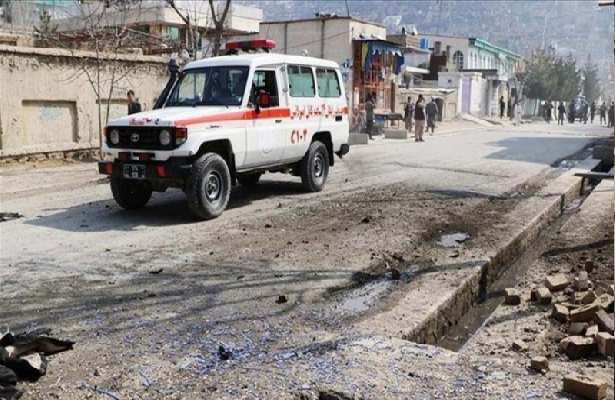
[493, 294]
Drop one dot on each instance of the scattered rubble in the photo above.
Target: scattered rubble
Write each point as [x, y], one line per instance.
[542, 295]
[512, 297]
[539, 363]
[576, 347]
[605, 343]
[557, 282]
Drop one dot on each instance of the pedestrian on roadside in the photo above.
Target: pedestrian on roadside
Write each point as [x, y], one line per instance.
[133, 103]
[502, 107]
[548, 111]
[611, 114]
[561, 112]
[431, 109]
[511, 113]
[592, 111]
[571, 115]
[603, 113]
[419, 119]
[369, 116]
[585, 112]
[409, 114]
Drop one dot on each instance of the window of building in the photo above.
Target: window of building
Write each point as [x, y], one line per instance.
[458, 59]
[300, 81]
[328, 84]
[265, 81]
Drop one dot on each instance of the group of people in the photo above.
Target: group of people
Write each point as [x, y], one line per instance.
[586, 113]
[419, 115]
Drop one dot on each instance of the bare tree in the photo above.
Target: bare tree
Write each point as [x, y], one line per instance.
[194, 19]
[104, 28]
[218, 21]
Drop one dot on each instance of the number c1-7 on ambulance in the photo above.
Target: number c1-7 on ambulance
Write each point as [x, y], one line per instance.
[227, 120]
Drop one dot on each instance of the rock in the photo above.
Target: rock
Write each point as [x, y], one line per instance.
[539, 363]
[585, 313]
[542, 295]
[519, 346]
[590, 266]
[581, 282]
[577, 328]
[557, 282]
[366, 220]
[560, 313]
[512, 297]
[605, 343]
[604, 321]
[585, 387]
[576, 347]
[586, 297]
[591, 331]
[281, 299]
[224, 354]
[605, 301]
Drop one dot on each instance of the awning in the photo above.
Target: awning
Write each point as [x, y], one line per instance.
[415, 70]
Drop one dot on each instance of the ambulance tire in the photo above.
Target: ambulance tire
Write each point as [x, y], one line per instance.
[130, 194]
[249, 180]
[209, 186]
[314, 167]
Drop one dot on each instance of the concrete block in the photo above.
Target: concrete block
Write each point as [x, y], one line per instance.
[576, 347]
[539, 363]
[396, 134]
[585, 387]
[512, 297]
[542, 295]
[591, 331]
[585, 313]
[604, 321]
[605, 343]
[557, 282]
[560, 313]
[577, 328]
[358, 138]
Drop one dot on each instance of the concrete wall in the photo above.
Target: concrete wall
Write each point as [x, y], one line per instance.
[48, 105]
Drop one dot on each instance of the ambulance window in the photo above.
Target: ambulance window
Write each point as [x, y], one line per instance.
[300, 81]
[328, 84]
[265, 81]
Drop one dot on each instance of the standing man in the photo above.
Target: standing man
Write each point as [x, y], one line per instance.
[133, 103]
[419, 119]
[431, 109]
[502, 107]
[592, 111]
[561, 112]
[611, 114]
[585, 112]
[603, 113]
[369, 116]
[571, 115]
[548, 111]
[409, 114]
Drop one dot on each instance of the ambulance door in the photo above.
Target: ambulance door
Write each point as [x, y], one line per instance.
[266, 134]
[304, 109]
[334, 118]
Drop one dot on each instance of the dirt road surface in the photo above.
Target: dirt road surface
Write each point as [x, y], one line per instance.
[272, 299]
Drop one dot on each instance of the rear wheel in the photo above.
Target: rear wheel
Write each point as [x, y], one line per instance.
[131, 194]
[249, 180]
[314, 167]
[209, 186]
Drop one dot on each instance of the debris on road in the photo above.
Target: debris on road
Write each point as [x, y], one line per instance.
[281, 299]
[539, 363]
[512, 297]
[7, 216]
[24, 357]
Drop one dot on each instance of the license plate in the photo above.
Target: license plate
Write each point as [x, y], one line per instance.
[134, 171]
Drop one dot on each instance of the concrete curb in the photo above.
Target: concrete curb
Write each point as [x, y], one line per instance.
[468, 292]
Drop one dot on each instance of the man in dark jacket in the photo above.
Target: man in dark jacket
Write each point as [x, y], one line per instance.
[133, 103]
[369, 116]
[611, 114]
[561, 112]
[592, 111]
[502, 107]
[409, 114]
[419, 119]
[431, 109]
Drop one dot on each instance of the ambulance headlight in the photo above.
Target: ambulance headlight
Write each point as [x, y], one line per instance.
[114, 136]
[165, 137]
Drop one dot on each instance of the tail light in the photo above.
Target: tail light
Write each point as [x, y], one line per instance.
[181, 135]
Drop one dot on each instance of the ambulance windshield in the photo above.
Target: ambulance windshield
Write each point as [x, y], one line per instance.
[210, 86]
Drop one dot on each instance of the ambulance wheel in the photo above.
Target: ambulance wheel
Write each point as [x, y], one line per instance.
[130, 194]
[209, 186]
[249, 180]
[314, 167]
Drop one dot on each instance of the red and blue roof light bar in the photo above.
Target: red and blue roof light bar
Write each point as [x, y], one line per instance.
[247, 45]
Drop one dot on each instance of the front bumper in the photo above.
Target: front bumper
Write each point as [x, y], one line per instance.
[177, 168]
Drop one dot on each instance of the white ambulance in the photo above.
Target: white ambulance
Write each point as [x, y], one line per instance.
[230, 119]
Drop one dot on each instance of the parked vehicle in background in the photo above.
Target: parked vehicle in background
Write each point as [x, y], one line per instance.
[228, 120]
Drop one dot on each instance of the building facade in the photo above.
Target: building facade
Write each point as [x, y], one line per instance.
[481, 71]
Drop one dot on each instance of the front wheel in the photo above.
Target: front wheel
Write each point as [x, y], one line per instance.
[209, 186]
[131, 194]
[314, 167]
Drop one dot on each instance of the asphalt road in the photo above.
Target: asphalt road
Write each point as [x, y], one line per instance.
[79, 264]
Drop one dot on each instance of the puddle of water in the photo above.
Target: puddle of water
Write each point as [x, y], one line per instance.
[364, 297]
[453, 239]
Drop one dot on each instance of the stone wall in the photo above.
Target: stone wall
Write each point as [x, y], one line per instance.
[48, 103]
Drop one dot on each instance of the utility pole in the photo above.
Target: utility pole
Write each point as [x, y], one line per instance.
[347, 8]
